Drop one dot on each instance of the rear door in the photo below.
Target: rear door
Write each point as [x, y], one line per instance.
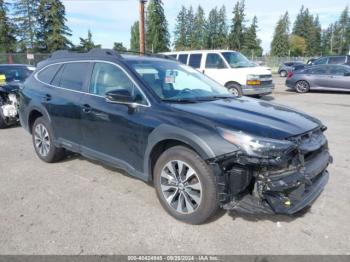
[64, 102]
[319, 76]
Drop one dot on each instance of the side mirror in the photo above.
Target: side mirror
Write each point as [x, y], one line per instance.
[119, 96]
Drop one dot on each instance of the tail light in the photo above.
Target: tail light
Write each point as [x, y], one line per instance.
[290, 74]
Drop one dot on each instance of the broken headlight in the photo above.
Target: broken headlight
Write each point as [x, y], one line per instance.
[258, 146]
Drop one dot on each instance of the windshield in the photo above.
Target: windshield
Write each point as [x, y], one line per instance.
[172, 81]
[237, 60]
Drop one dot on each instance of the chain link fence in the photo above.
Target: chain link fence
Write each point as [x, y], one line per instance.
[21, 58]
[33, 59]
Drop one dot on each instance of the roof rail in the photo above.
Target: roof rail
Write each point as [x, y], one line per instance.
[93, 52]
[148, 54]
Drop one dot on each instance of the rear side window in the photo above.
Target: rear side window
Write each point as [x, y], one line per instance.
[320, 70]
[48, 73]
[74, 75]
[183, 58]
[195, 60]
[337, 60]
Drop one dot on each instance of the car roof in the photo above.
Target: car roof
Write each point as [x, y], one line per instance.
[100, 54]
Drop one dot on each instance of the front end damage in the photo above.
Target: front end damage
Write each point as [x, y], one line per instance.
[279, 185]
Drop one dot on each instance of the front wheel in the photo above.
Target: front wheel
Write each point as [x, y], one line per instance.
[44, 143]
[235, 89]
[185, 185]
[302, 86]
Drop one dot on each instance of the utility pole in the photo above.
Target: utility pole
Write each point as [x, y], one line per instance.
[142, 26]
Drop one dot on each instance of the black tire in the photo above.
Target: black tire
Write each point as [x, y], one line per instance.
[302, 86]
[52, 153]
[208, 191]
[235, 89]
[3, 122]
[283, 73]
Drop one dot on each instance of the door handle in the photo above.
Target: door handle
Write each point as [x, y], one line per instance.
[86, 109]
[47, 98]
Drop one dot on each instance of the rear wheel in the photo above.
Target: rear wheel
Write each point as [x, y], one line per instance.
[235, 89]
[43, 142]
[185, 185]
[302, 86]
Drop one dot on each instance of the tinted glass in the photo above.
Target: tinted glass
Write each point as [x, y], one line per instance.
[320, 70]
[288, 64]
[183, 59]
[214, 61]
[173, 56]
[321, 61]
[15, 73]
[74, 75]
[108, 77]
[48, 73]
[337, 70]
[336, 60]
[195, 60]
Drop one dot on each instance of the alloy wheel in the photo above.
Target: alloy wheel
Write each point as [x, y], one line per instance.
[234, 91]
[42, 140]
[302, 87]
[181, 187]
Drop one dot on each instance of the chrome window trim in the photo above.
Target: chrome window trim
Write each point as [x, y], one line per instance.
[87, 93]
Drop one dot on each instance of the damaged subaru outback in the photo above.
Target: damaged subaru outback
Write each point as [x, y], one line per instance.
[170, 125]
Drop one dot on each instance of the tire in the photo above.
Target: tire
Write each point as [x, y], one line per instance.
[235, 89]
[302, 86]
[197, 193]
[43, 142]
[283, 73]
[3, 122]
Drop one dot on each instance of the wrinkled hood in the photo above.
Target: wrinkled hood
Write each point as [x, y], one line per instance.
[253, 116]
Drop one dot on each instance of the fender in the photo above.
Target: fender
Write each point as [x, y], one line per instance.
[166, 132]
[32, 108]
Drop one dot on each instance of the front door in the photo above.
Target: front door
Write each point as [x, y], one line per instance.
[113, 132]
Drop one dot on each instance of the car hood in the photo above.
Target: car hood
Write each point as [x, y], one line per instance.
[252, 116]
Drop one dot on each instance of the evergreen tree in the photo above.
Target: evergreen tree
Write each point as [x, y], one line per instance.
[52, 31]
[251, 45]
[181, 31]
[199, 29]
[157, 38]
[119, 47]
[342, 33]
[280, 44]
[216, 29]
[25, 13]
[222, 29]
[327, 40]
[86, 44]
[314, 45]
[237, 27]
[7, 30]
[135, 37]
[190, 28]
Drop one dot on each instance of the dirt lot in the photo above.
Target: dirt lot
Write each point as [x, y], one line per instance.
[79, 207]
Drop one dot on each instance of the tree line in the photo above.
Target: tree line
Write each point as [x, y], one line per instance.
[38, 26]
[195, 30]
[307, 38]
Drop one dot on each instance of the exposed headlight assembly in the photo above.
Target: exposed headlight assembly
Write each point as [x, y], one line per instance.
[258, 146]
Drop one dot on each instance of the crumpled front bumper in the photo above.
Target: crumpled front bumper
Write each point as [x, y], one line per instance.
[286, 190]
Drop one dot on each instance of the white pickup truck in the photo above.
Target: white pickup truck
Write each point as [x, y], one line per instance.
[229, 68]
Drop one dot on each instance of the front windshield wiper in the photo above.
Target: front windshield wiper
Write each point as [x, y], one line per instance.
[179, 100]
[210, 98]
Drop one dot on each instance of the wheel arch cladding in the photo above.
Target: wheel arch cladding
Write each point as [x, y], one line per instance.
[35, 113]
[165, 137]
[232, 82]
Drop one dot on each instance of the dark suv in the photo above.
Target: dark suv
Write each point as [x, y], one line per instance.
[333, 60]
[168, 124]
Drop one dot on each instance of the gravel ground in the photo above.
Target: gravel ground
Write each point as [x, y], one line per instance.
[80, 207]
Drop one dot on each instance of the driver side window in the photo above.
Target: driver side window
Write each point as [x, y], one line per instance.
[214, 61]
[107, 77]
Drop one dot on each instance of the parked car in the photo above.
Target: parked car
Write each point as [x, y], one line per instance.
[11, 77]
[321, 77]
[287, 67]
[311, 61]
[231, 69]
[168, 124]
[336, 60]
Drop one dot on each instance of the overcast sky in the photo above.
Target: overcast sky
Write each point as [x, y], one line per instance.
[110, 20]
